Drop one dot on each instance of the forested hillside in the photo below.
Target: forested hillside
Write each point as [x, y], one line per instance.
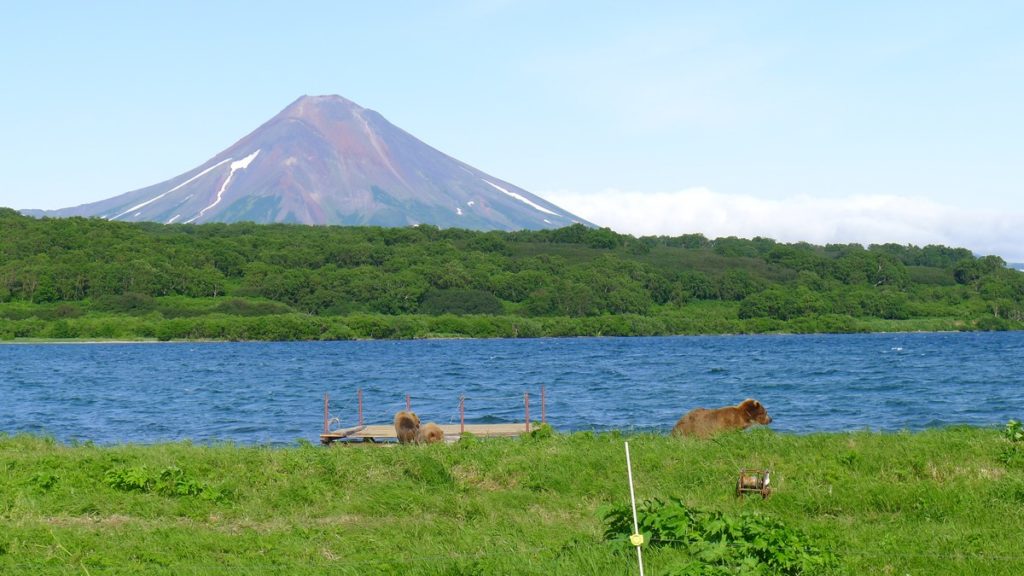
[91, 278]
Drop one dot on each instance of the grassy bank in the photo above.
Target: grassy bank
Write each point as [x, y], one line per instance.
[945, 501]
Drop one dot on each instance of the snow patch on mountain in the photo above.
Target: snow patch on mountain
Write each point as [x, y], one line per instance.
[155, 198]
[235, 166]
[522, 198]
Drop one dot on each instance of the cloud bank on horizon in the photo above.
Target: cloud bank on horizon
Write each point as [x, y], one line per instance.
[863, 219]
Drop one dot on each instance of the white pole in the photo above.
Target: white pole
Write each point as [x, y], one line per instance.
[637, 539]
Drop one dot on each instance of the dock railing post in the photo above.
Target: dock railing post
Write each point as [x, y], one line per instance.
[462, 414]
[359, 393]
[526, 402]
[325, 413]
[543, 405]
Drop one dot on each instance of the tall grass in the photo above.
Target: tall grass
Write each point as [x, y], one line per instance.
[947, 501]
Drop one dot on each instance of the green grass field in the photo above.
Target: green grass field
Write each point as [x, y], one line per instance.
[947, 501]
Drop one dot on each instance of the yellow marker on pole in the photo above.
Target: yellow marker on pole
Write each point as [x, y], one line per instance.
[636, 539]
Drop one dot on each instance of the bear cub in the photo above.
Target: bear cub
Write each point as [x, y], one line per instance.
[407, 424]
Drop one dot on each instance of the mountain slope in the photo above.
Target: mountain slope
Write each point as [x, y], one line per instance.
[326, 160]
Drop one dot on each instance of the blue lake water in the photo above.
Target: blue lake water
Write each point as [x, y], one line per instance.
[273, 392]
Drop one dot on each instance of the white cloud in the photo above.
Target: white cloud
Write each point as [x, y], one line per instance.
[866, 219]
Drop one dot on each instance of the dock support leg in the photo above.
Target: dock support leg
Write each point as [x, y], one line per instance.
[543, 405]
[462, 414]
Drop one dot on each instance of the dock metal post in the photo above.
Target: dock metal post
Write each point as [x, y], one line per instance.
[462, 414]
[408, 403]
[325, 413]
[543, 406]
[360, 394]
[526, 402]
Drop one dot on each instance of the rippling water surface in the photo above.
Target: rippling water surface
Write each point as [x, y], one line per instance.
[273, 392]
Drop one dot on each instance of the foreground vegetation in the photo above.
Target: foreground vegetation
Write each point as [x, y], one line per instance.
[947, 501]
[95, 279]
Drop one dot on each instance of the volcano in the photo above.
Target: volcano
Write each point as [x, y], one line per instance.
[327, 160]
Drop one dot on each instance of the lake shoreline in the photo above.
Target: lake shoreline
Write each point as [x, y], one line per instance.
[626, 433]
[461, 337]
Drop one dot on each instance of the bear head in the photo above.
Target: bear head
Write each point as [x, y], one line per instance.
[755, 411]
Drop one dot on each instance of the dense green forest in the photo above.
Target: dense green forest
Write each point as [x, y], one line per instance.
[92, 278]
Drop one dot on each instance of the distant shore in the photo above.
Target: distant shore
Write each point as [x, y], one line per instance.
[464, 337]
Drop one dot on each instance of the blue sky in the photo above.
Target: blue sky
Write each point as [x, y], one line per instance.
[818, 121]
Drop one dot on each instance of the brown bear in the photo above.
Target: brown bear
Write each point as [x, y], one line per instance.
[407, 424]
[429, 434]
[704, 423]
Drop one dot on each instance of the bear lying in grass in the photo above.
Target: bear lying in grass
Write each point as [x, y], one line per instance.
[704, 423]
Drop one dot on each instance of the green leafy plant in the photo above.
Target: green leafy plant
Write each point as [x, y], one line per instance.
[542, 432]
[468, 439]
[171, 481]
[174, 482]
[1013, 453]
[44, 480]
[1014, 431]
[134, 479]
[719, 543]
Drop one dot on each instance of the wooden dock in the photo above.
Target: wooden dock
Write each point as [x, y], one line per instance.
[452, 432]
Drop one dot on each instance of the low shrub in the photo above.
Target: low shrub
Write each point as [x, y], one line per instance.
[1013, 453]
[718, 543]
[171, 481]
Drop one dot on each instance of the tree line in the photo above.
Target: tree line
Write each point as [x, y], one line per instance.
[72, 274]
